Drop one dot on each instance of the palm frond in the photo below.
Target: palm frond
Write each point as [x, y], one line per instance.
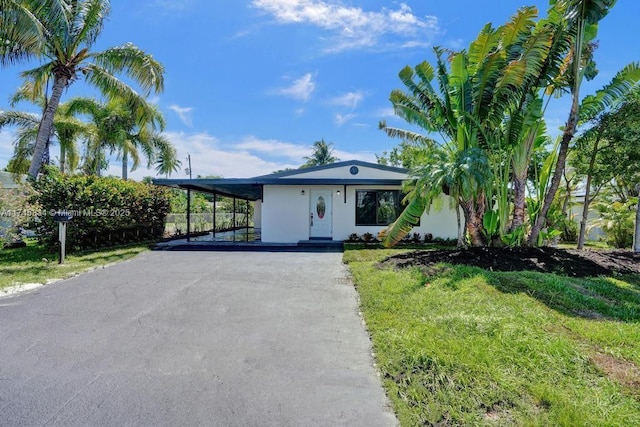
[138, 65]
[519, 26]
[36, 80]
[607, 97]
[18, 118]
[21, 32]
[482, 47]
[409, 136]
[88, 20]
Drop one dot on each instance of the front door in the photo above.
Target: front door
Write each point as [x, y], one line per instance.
[321, 213]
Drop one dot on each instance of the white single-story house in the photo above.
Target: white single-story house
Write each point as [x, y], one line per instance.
[324, 202]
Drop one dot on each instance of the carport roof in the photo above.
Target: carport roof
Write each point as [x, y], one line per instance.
[251, 188]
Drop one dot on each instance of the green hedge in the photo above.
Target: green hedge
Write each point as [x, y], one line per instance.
[106, 211]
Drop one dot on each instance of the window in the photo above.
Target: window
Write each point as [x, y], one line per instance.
[377, 207]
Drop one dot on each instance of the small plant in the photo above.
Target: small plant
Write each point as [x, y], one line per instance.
[368, 238]
[354, 237]
[416, 237]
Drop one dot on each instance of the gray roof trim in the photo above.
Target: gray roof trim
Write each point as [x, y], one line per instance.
[251, 188]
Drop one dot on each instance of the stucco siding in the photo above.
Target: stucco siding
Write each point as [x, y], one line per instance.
[285, 214]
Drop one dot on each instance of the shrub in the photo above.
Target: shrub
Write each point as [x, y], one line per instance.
[428, 237]
[106, 211]
[368, 238]
[15, 213]
[354, 237]
[617, 220]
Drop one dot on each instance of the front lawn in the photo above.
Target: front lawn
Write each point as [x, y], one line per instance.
[34, 264]
[458, 345]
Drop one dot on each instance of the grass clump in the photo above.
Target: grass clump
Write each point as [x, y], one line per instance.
[459, 345]
[36, 264]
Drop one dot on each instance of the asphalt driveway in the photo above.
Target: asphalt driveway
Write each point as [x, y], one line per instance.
[192, 338]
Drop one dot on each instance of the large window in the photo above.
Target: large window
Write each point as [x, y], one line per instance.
[377, 207]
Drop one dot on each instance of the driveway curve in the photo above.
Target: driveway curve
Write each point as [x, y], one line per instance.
[192, 338]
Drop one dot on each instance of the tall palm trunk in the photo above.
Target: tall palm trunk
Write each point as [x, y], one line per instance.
[46, 124]
[567, 136]
[636, 234]
[63, 155]
[520, 162]
[473, 211]
[519, 200]
[460, 229]
[570, 128]
[99, 161]
[125, 164]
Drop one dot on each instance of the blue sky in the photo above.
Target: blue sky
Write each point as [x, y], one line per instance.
[251, 84]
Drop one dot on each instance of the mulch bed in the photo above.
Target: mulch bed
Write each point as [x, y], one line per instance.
[569, 262]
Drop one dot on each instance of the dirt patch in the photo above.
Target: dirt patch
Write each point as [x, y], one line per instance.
[569, 262]
[625, 373]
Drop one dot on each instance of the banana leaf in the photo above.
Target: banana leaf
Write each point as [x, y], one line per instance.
[402, 226]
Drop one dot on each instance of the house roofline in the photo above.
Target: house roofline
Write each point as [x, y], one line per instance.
[332, 166]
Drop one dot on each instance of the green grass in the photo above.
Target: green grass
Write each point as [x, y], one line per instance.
[465, 346]
[34, 264]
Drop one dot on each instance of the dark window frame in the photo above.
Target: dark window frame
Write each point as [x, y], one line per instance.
[363, 222]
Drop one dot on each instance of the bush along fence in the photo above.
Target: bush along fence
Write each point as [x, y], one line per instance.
[106, 211]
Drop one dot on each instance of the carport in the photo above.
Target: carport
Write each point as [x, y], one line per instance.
[237, 189]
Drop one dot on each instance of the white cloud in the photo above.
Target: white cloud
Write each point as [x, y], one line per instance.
[209, 156]
[352, 27]
[341, 119]
[301, 89]
[184, 113]
[349, 99]
[248, 157]
[273, 147]
[356, 155]
[385, 112]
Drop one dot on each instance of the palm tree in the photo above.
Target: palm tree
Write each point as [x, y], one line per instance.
[477, 89]
[120, 129]
[580, 18]
[322, 155]
[167, 160]
[62, 32]
[66, 130]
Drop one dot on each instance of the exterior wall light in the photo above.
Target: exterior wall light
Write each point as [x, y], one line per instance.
[302, 193]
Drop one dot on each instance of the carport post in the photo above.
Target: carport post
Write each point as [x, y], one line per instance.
[188, 214]
[214, 215]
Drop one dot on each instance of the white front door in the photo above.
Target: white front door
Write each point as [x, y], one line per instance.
[321, 213]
